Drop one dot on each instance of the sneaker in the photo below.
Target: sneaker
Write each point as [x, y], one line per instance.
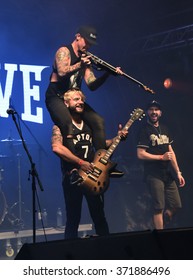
[75, 178]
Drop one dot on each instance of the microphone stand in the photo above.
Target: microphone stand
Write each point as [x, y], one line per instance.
[33, 173]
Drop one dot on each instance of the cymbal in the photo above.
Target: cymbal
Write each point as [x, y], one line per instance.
[10, 140]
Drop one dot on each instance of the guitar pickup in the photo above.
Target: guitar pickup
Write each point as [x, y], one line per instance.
[92, 177]
[103, 161]
[97, 170]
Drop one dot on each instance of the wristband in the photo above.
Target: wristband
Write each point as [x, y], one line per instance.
[179, 172]
[80, 162]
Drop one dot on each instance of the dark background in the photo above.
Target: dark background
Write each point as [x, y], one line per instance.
[151, 41]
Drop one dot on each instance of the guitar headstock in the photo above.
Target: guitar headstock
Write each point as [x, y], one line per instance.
[137, 114]
[148, 89]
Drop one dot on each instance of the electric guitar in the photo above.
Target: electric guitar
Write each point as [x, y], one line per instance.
[97, 181]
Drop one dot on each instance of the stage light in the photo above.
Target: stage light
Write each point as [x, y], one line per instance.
[168, 83]
[9, 250]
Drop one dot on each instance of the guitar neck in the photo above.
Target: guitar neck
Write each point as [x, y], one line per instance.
[116, 141]
[114, 69]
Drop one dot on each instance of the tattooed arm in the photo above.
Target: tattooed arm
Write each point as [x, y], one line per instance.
[62, 62]
[64, 153]
[59, 149]
[92, 82]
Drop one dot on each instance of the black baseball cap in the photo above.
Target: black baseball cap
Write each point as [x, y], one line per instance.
[89, 33]
[154, 103]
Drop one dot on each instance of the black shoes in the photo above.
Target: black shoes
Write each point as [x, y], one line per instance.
[75, 178]
[116, 173]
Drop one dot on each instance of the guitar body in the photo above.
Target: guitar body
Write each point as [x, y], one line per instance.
[97, 182]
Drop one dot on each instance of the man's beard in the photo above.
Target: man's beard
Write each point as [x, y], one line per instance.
[74, 112]
[153, 121]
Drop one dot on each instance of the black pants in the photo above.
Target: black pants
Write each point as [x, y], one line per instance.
[60, 115]
[73, 197]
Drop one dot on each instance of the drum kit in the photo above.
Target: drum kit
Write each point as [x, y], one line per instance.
[12, 215]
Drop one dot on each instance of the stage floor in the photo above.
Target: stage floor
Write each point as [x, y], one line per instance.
[12, 241]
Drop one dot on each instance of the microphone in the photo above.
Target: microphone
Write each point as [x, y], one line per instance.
[11, 111]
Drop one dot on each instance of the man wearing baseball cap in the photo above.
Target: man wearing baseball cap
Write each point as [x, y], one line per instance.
[155, 104]
[89, 33]
[161, 170]
[70, 67]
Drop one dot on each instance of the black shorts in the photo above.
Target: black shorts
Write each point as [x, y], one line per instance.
[164, 193]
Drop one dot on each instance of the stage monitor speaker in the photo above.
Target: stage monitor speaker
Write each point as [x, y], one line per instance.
[175, 244]
[133, 245]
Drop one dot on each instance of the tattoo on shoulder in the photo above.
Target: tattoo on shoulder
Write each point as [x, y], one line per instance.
[62, 54]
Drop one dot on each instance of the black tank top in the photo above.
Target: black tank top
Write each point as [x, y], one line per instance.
[70, 81]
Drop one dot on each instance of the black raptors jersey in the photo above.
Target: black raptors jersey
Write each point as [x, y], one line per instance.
[83, 146]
